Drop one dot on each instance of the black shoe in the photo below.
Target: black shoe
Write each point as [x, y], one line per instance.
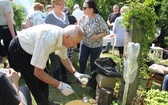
[66, 81]
[54, 103]
[105, 51]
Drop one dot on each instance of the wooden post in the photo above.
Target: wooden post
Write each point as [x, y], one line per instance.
[132, 35]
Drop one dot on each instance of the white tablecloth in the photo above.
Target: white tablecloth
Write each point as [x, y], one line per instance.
[107, 39]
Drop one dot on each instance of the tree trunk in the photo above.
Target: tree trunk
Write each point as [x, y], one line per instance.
[132, 35]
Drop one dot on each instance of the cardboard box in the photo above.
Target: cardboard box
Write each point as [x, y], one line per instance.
[104, 81]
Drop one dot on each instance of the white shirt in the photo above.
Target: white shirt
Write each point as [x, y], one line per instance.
[119, 30]
[78, 14]
[41, 40]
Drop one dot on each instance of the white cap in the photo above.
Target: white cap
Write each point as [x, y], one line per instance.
[76, 6]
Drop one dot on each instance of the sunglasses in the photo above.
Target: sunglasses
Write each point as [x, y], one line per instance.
[84, 8]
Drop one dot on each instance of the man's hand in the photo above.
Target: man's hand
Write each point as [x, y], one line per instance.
[65, 89]
[79, 76]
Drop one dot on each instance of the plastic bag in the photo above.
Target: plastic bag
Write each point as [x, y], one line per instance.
[106, 66]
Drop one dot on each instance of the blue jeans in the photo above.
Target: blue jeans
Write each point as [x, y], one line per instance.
[165, 83]
[84, 54]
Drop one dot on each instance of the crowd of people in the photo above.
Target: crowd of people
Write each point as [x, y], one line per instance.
[52, 36]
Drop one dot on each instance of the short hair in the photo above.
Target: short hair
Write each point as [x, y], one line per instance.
[116, 6]
[73, 30]
[124, 9]
[57, 1]
[38, 6]
[48, 7]
[76, 6]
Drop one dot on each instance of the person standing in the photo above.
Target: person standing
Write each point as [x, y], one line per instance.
[110, 23]
[59, 18]
[94, 29]
[72, 20]
[30, 51]
[36, 17]
[78, 13]
[119, 31]
[7, 28]
[49, 8]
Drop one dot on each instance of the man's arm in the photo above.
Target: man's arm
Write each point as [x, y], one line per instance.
[39, 73]
[108, 23]
[10, 23]
[67, 63]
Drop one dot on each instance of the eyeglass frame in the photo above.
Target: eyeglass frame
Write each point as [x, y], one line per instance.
[84, 8]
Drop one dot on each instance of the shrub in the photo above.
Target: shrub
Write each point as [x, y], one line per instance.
[19, 15]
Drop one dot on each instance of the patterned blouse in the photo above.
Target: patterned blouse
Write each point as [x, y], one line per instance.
[91, 27]
[36, 18]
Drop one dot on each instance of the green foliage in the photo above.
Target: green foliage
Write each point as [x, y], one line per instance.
[150, 3]
[71, 3]
[145, 19]
[164, 16]
[19, 15]
[155, 97]
[106, 7]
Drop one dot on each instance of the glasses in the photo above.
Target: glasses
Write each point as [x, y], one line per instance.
[84, 8]
[61, 4]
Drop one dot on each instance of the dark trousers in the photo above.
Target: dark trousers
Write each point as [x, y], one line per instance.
[56, 67]
[121, 50]
[6, 36]
[38, 88]
[3, 52]
[84, 53]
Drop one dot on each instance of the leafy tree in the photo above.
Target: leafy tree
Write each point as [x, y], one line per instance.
[163, 21]
[19, 15]
[106, 6]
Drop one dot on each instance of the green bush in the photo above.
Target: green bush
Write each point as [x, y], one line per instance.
[156, 97]
[19, 15]
[105, 6]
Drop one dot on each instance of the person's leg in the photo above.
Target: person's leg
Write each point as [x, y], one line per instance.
[70, 53]
[64, 70]
[25, 95]
[38, 88]
[94, 54]
[55, 66]
[107, 49]
[165, 83]
[83, 57]
[7, 37]
[121, 50]
[64, 73]
[3, 54]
